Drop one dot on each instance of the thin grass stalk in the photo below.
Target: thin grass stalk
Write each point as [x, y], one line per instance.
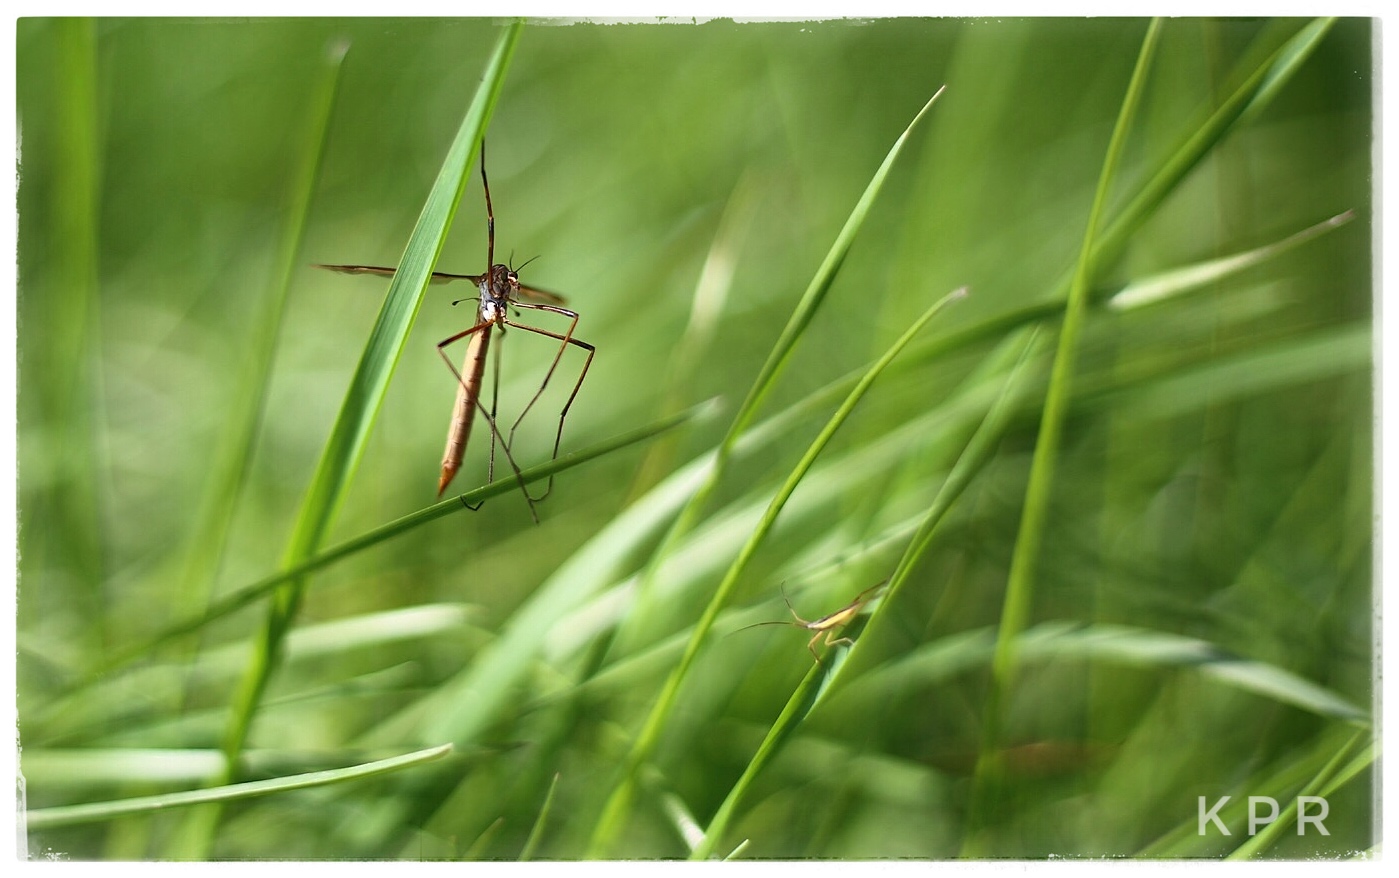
[62, 526]
[824, 676]
[69, 815]
[357, 412]
[618, 805]
[1020, 582]
[537, 831]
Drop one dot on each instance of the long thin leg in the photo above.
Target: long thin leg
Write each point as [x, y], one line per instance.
[495, 403]
[488, 416]
[566, 339]
[791, 609]
[490, 214]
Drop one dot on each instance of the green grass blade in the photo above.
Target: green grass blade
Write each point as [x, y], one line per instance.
[362, 401]
[1020, 581]
[62, 529]
[821, 284]
[680, 817]
[801, 703]
[68, 815]
[1158, 287]
[772, 368]
[619, 802]
[537, 832]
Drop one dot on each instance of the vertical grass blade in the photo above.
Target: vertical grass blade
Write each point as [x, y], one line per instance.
[1020, 585]
[537, 832]
[619, 802]
[361, 404]
[62, 530]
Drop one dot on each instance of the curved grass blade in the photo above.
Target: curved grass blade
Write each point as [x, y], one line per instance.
[822, 677]
[1020, 580]
[537, 832]
[1153, 289]
[68, 815]
[362, 401]
[619, 802]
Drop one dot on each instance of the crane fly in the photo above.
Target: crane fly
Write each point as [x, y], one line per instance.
[500, 292]
[828, 624]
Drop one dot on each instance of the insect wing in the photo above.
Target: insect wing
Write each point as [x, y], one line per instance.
[438, 277]
[539, 295]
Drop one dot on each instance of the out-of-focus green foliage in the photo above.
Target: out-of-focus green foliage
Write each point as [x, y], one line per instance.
[1201, 622]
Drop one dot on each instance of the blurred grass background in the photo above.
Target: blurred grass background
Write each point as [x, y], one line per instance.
[1214, 483]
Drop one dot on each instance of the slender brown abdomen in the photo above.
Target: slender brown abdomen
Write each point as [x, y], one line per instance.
[468, 392]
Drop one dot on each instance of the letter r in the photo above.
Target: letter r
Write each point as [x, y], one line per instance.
[1302, 819]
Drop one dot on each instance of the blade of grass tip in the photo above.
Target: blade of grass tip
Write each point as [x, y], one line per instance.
[478, 847]
[69, 815]
[680, 817]
[357, 412]
[233, 458]
[777, 359]
[1020, 584]
[822, 678]
[535, 834]
[1157, 287]
[619, 802]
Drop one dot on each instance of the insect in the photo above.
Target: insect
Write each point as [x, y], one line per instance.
[500, 293]
[828, 624]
